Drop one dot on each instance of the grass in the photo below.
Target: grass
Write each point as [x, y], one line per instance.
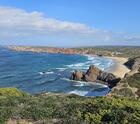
[5, 92]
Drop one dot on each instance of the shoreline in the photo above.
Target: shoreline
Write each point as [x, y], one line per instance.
[119, 69]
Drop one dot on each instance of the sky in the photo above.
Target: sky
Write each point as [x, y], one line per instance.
[70, 23]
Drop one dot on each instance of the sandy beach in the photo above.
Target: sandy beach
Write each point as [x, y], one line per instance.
[120, 69]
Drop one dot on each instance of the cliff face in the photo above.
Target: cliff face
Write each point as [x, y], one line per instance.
[133, 64]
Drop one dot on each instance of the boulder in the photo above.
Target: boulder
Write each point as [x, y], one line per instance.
[92, 73]
[77, 75]
[111, 79]
[95, 74]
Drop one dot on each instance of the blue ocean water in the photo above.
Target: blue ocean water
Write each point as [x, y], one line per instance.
[43, 72]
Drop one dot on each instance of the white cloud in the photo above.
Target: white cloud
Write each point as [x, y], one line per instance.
[18, 24]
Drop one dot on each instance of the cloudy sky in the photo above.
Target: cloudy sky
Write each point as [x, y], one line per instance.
[69, 23]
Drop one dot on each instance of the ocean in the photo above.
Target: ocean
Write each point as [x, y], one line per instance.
[44, 72]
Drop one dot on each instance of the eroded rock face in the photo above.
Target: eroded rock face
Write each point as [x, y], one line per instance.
[92, 73]
[95, 74]
[133, 64]
[111, 79]
[77, 75]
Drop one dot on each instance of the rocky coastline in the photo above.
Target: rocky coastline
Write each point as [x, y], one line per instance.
[121, 87]
[94, 74]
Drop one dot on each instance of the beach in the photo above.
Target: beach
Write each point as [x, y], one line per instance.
[119, 69]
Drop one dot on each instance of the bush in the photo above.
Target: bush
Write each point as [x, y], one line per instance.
[70, 109]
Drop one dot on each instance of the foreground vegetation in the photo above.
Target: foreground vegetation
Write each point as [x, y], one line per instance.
[69, 109]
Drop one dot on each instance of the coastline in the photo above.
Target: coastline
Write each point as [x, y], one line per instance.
[119, 69]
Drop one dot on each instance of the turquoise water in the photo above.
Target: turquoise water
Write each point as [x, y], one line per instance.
[44, 72]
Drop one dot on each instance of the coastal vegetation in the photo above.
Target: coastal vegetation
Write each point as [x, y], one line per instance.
[69, 109]
[119, 51]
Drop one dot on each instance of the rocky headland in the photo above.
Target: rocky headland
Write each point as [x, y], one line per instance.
[45, 49]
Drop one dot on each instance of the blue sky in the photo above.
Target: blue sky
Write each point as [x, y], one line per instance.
[70, 23]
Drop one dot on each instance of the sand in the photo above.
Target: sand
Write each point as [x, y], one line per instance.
[120, 69]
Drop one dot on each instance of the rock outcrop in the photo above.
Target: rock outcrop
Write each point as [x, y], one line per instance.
[133, 64]
[129, 86]
[94, 74]
[77, 75]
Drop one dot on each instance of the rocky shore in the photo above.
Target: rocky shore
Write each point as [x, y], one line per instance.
[94, 74]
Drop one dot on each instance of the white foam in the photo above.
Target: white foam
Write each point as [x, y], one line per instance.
[49, 72]
[83, 83]
[79, 84]
[90, 58]
[76, 65]
[61, 69]
[78, 92]
[41, 73]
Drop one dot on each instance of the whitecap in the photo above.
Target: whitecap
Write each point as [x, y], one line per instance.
[49, 72]
[78, 84]
[75, 65]
[41, 73]
[61, 69]
[78, 92]
[90, 58]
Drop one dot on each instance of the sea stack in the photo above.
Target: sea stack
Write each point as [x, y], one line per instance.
[94, 74]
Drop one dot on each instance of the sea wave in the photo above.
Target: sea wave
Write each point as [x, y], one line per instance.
[78, 92]
[83, 83]
[61, 69]
[102, 63]
[48, 72]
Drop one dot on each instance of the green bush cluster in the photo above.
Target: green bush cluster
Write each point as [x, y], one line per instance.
[70, 109]
[5, 92]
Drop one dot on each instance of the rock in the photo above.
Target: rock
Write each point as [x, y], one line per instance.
[100, 55]
[95, 74]
[77, 75]
[134, 65]
[109, 78]
[92, 73]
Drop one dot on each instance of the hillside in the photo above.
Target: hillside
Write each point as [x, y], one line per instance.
[67, 109]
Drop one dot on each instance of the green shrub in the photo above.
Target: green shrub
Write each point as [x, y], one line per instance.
[70, 109]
